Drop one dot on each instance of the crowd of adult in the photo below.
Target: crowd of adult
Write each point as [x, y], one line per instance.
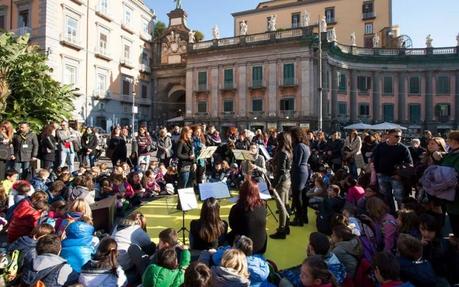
[387, 214]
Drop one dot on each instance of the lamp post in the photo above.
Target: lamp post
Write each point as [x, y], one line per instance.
[320, 123]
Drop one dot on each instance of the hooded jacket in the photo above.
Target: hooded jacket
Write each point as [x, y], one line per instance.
[349, 253]
[93, 276]
[227, 277]
[52, 269]
[77, 246]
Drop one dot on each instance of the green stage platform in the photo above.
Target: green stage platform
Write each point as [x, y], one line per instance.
[162, 214]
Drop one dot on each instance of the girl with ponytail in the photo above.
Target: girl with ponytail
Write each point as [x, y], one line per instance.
[103, 268]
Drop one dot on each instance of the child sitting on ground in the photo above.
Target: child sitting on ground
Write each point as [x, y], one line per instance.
[168, 271]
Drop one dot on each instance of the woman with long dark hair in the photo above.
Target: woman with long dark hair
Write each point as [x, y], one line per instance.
[248, 216]
[6, 149]
[48, 146]
[185, 156]
[209, 230]
[117, 149]
[282, 163]
[300, 176]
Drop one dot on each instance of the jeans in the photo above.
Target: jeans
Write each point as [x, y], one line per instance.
[392, 189]
[67, 157]
[23, 168]
[144, 159]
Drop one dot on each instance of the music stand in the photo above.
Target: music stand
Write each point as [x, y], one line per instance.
[187, 202]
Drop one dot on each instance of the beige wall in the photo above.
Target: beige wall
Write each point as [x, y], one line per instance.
[348, 17]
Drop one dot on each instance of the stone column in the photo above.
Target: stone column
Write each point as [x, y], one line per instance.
[305, 90]
[214, 91]
[376, 98]
[272, 87]
[428, 98]
[401, 98]
[353, 95]
[334, 93]
[242, 90]
[189, 93]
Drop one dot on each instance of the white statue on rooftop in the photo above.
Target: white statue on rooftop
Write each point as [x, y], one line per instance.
[332, 34]
[376, 41]
[272, 23]
[353, 43]
[429, 41]
[306, 18]
[216, 32]
[323, 24]
[243, 28]
[191, 37]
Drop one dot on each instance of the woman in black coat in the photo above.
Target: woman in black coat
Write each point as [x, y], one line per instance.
[117, 148]
[248, 217]
[48, 147]
[89, 144]
[299, 176]
[209, 231]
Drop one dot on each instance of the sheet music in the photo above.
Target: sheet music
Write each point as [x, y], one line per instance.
[216, 190]
[187, 199]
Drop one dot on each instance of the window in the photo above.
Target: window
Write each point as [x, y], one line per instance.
[415, 113]
[364, 110]
[368, 28]
[287, 104]
[296, 20]
[289, 74]
[442, 110]
[342, 85]
[228, 78]
[70, 73]
[144, 91]
[443, 85]
[127, 15]
[257, 105]
[342, 108]
[228, 106]
[101, 81]
[202, 107]
[363, 83]
[2, 19]
[202, 81]
[126, 86]
[103, 6]
[415, 85]
[387, 85]
[388, 112]
[330, 15]
[23, 18]
[368, 10]
[71, 26]
[257, 76]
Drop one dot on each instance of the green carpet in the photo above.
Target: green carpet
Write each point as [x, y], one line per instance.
[161, 214]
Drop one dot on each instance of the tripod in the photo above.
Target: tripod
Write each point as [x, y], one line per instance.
[183, 229]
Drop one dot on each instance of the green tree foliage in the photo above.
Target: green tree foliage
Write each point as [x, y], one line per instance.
[27, 90]
[199, 36]
[159, 29]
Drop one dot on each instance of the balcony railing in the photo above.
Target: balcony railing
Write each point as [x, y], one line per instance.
[71, 40]
[368, 15]
[22, 31]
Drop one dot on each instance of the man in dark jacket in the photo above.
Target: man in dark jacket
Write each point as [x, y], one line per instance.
[388, 158]
[25, 144]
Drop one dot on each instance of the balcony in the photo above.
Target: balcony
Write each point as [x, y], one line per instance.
[127, 27]
[145, 36]
[101, 94]
[71, 41]
[228, 86]
[145, 68]
[126, 63]
[103, 13]
[368, 15]
[102, 53]
[22, 31]
[257, 85]
[289, 83]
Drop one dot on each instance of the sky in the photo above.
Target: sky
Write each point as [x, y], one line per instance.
[416, 18]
